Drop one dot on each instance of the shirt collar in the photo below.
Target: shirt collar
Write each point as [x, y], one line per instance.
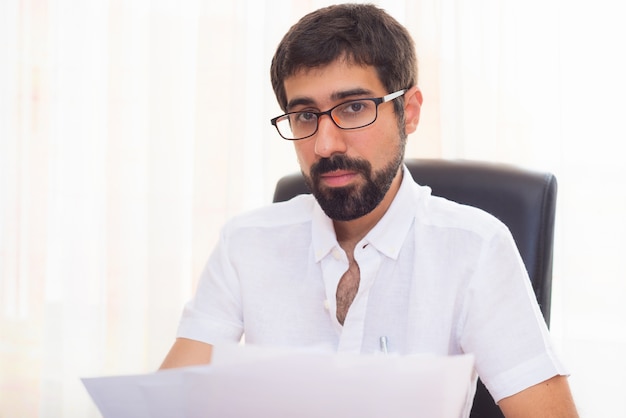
[387, 235]
[323, 233]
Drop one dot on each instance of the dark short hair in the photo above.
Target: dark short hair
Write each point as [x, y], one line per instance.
[361, 33]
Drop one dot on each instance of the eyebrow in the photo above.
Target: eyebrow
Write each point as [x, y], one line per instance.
[340, 95]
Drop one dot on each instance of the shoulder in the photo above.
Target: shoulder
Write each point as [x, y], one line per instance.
[438, 212]
[263, 236]
[274, 217]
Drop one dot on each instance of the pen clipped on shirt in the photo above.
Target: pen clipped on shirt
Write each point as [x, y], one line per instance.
[383, 345]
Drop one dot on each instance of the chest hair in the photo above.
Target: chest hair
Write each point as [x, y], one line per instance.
[347, 289]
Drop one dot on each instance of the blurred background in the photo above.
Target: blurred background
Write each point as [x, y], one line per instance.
[131, 130]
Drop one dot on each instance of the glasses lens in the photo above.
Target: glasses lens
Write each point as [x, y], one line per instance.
[354, 114]
[297, 125]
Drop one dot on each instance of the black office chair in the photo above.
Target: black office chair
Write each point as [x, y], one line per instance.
[524, 200]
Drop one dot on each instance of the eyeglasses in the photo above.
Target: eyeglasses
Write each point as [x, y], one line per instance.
[353, 114]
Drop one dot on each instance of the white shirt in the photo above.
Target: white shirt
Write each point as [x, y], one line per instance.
[436, 277]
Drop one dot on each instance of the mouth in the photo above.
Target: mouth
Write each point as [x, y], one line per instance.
[338, 178]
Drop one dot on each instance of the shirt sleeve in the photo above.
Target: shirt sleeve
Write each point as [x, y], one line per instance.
[503, 325]
[215, 313]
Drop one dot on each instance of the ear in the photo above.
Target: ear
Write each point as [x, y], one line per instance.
[412, 107]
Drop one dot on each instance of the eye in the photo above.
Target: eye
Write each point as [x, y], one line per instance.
[304, 117]
[355, 107]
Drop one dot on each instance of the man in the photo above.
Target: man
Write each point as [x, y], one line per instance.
[371, 254]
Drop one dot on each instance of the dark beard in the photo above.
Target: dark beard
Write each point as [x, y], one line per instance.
[352, 202]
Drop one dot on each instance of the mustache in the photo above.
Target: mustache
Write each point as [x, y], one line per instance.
[340, 162]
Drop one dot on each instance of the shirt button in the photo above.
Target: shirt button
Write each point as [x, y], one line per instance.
[336, 254]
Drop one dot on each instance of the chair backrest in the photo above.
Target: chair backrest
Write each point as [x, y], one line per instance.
[524, 200]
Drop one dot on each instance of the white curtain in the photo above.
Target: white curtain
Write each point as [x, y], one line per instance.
[131, 130]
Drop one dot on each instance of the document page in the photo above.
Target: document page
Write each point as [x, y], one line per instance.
[245, 381]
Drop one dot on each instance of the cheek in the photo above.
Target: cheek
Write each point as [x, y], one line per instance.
[381, 144]
[305, 155]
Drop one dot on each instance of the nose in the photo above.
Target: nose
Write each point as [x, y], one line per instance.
[329, 139]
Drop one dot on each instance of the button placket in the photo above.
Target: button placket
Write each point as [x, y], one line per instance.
[334, 266]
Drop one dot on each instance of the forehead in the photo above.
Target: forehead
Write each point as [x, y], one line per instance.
[330, 83]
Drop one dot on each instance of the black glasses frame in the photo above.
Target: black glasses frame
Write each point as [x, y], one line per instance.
[377, 101]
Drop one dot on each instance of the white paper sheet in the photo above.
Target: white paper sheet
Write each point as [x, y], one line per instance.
[247, 382]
